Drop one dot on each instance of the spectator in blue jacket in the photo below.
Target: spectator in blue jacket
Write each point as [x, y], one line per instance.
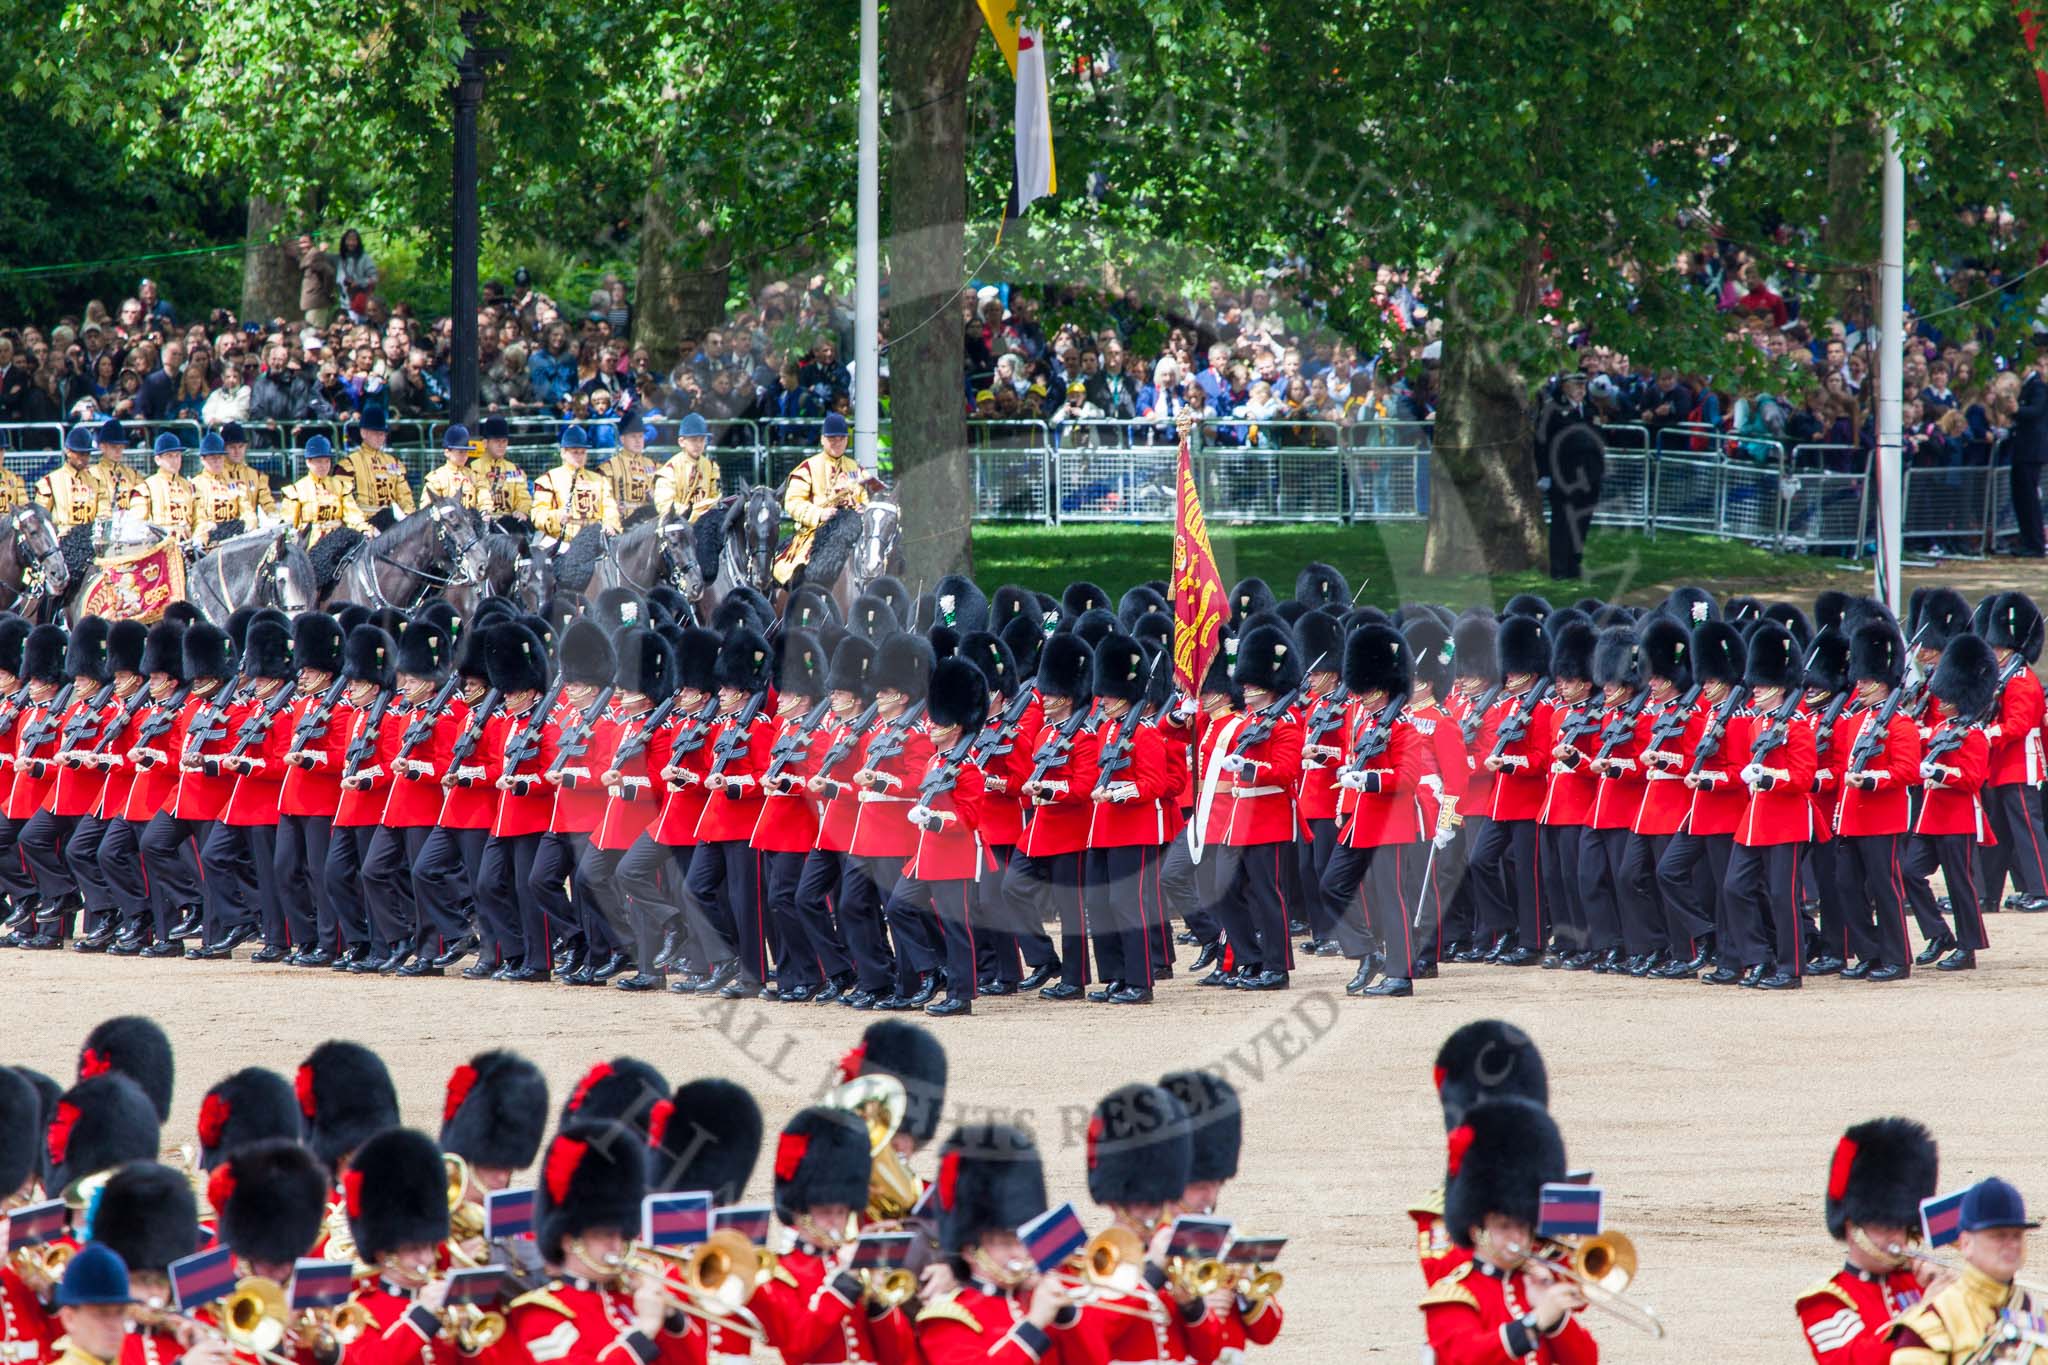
[552, 366]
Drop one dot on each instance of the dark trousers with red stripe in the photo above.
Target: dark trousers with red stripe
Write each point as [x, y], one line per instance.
[1385, 880]
[395, 918]
[598, 899]
[817, 889]
[444, 879]
[1313, 856]
[82, 856]
[800, 963]
[1876, 888]
[1344, 894]
[554, 863]
[865, 885]
[1048, 886]
[725, 878]
[1455, 876]
[170, 859]
[348, 847]
[512, 924]
[996, 955]
[1762, 891]
[299, 862]
[120, 857]
[2013, 810]
[229, 856]
[1121, 888]
[1679, 879]
[1251, 903]
[1681, 923]
[42, 844]
[1956, 856]
[1569, 924]
[1507, 880]
[932, 923]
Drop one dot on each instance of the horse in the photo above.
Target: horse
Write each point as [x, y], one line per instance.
[262, 568]
[739, 536]
[853, 549]
[439, 546]
[514, 568]
[650, 553]
[35, 580]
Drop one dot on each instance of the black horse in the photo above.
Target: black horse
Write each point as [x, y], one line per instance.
[439, 546]
[651, 552]
[35, 580]
[738, 536]
[515, 567]
[263, 568]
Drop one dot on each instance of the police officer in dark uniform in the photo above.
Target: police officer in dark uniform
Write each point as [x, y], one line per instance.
[1571, 460]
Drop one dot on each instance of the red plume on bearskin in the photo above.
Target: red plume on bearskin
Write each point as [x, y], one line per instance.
[59, 1135]
[214, 1112]
[460, 1082]
[949, 1178]
[220, 1186]
[563, 1158]
[92, 1062]
[789, 1154]
[303, 1084]
[602, 1071]
[1456, 1145]
[850, 1062]
[657, 1121]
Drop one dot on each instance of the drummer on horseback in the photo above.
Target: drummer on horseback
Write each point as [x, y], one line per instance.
[323, 501]
[818, 490]
[240, 470]
[71, 493]
[112, 471]
[570, 497]
[218, 497]
[166, 498]
[510, 494]
[456, 477]
[688, 485]
[377, 476]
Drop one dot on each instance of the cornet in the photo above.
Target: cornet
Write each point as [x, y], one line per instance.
[650, 1261]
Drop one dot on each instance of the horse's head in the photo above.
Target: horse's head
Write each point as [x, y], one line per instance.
[290, 576]
[880, 535]
[760, 525]
[462, 536]
[679, 554]
[37, 542]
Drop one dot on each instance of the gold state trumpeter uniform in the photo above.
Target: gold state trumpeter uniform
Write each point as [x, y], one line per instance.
[13, 492]
[165, 500]
[505, 490]
[316, 506]
[459, 482]
[565, 500]
[378, 481]
[1951, 1327]
[219, 498]
[72, 497]
[817, 490]
[632, 476]
[687, 486]
[253, 481]
[116, 480]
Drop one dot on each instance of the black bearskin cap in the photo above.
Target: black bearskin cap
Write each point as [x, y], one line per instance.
[1139, 1147]
[42, 656]
[137, 1047]
[1376, 659]
[959, 695]
[746, 662]
[1719, 652]
[267, 652]
[439, 611]
[47, 1093]
[1617, 659]
[1967, 676]
[1827, 666]
[586, 654]
[1829, 607]
[424, 651]
[346, 1094]
[1140, 602]
[1943, 614]
[1877, 652]
[85, 656]
[821, 1157]
[1571, 651]
[808, 609]
[1082, 597]
[624, 1089]
[1692, 607]
[852, 664]
[1092, 626]
[1066, 668]
[990, 1180]
[1667, 651]
[1524, 648]
[890, 589]
[968, 608]
[397, 1193]
[126, 641]
[1025, 637]
[98, 1124]
[912, 1054]
[514, 658]
[1526, 604]
[617, 608]
[872, 618]
[252, 1105]
[1320, 585]
[696, 654]
[1321, 636]
[1793, 620]
[1488, 1059]
[1011, 602]
[904, 664]
[1475, 649]
[271, 1197]
[149, 1215]
[1120, 669]
[1502, 1153]
[997, 664]
[1249, 597]
[495, 1107]
[369, 654]
[317, 641]
[14, 632]
[21, 1130]
[1215, 1122]
[1429, 647]
[644, 663]
[710, 1140]
[1267, 657]
[1740, 609]
[1880, 1172]
[2015, 624]
[799, 664]
[1773, 658]
[594, 1177]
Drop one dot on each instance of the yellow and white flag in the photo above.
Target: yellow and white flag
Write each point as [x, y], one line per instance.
[1032, 175]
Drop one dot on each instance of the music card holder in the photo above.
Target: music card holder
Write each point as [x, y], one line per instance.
[882, 1251]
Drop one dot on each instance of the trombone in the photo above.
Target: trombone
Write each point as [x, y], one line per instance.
[1902, 1254]
[653, 1261]
[1109, 1268]
[1603, 1265]
[253, 1319]
[880, 1101]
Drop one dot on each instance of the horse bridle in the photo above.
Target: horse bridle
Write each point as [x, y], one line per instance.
[35, 576]
[670, 573]
[738, 569]
[460, 573]
[872, 560]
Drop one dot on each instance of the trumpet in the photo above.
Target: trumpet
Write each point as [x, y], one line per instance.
[891, 1288]
[724, 1269]
[44, 1262]
[1109, 1268]
[881, 1101]
[253, 1319]
[1197, 1276]
[1257, 1284]
[331, 1330]
[1603, 1266]
[472, 1328]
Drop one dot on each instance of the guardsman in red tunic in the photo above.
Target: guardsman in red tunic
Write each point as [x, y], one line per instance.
[1044, 874]
[588, 665]
[1881, 1171]
[1580, 717]
[398, 1227]
[143, 777]
[932, 913]
[428, 938]
[1689, 738]
[1707, 759]
[316, 727]
[725, 874]
[786, 830]
[893, 755]
[187, 800]
[1205, 725]
[1951, 823]
[241, 851]
[14, 884]
[1507, 882]
[35, 830]
[832, 795]
[1505, 1304]
[1485, 1059]
[2012, 796]
[269, 1194]
[375, 730]
[514, 924]
[1775, 762]
[1259, 770]
[95, 776]
[820, 1311]
[1216, 1125]
[1877, 776]
[1441, 790]
[1475, 667]
[1379, 817]
[646, 679]
[1127, 825]
[1324, 710]
[444, 877]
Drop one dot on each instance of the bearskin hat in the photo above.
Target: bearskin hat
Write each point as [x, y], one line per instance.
[267, 652]
[1719, 653]
[1877, 653]
[1066, 668]
[997, 664]
[1792, 619]
[1215, 1122]
[617, 608]
[990, 1180]
[852, 667]
[1616, 615]
[1668, 651]
[696, 654]
[1267, 657]
[745, 661]
[645, 665]
[1139, 1147]
[1740, 609]
[1011, 602]
[47, 1093]
[42, 656]
[1773, 659]
[1501, 1154]
[872, 618]
[14, 631]
[149, 1215]
[317, 641]
[1967, 676]
[98, 1124]
[960, 604]
[1558, 621]
[1083, 597]
[587, 655]
[514, 658]
[1092, 626]
[2015, 624]
[439, 611]
[1943, 614]
[424, 651]
[1476, 649]
[1025, 637]
[710, 1140]
[807, 609]
[763, 612]
[1526, 604]
[1320, 635]
[1617, 659]
[1221, 680]
[1120, 669]
[238, 625]
[1292, 611]
[1320, 585]
[1249, 597]
[271, 1197]
[904, 664]
[1484, 1060]
[1827, 662]
[542, 628]
[346, 1094]
[396, 1188]
[495, 1108]
[252, 1105]
[1829, 606]
[799, 664]
[1692, 607]
[1138, 603]
[958, 696]
[891, 589]
[1572, 649]
[736, 613]
[1429, 648]
[21, 1130]
[369, 654]
[1880, 1172]
[488, 613]
[624, 1089]
[821, 1157]
[1524, 648]
[1376, 659]
[912, 1054]
[137, 1047]
[126, 641]
[85, 654]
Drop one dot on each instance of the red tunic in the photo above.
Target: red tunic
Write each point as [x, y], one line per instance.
[1387, 812]
[634, 802]
[788, 821]
[1957, 806]
[1002, 812]
[35, 768]
[1139, 821]
[1720, 800]
[119, 775]
[1884, 809]
[471, 801]
[1479, 780]
[526, 806]
[2016, 735]
[1518, 789]
[1447, 773]
[364, 806]
[1620, 793]
[1844, 1316]
[78, 789]
[199, 796]
[416, 795]
[953, 852]
[881, 828]
[1573, 783]
[1668, 803]
[1319, 791]
[1059, 819]
[1783, 812]
[1473, 1318]
[581, 797]
[400, 1333]
[1262, 792]
[733, 813]
[809, 1318]
[1212, 739]
[315, 788]
[156, 763]
[682, 807]
[982, 1325]
[574, 1322]
[257, 794]
[1250, 1324]
[28, 1331]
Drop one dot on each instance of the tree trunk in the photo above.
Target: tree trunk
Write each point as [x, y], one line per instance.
[1483, 512]
[929, 45]
[270, 277]
[1844, 233]
[682, 284]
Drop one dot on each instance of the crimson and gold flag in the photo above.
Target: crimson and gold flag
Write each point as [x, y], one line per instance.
[1199, 607]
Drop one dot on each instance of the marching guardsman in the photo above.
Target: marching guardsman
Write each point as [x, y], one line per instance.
[1318, 635]
[1003, 754]
[135, 792]
[166, 498]
[588, 665]
[1383, 758]
[821, 1312]
[2012, 795]
[217, 496]
[725, 872]
[1507, 885]
[116, 479]
[646, 678]
[786, 831]
[893, 755]
[1216, 1124]
[1875, 775]
[819, 489]
[182, 826]
[688, 485]
[148, 1214]
[1506, 1303]
[931, 913]
[445, 876]
[46, 661]
[1827, 698]
[72, 492]
[1475, 672]
[395, 1195]
[846, 685]
[27, 1327]
[1954, 1324]
[570, 496]
[1761, 894]
[1045, 867]
[94, 782]
[493, 1115]
[310, 789]
[1576, 782]
[369, 750]
[72, 790]
[1951, 823]
[323, 501]
[1880, 1172]
[511, 920]
[432, 936]
[1127, 825]
[240, 852]
[456, 476]
[375, 475]
[510, 496]
[1486, 1059]
[1441, 790]
[1258, 773]
[1688, 771]
[631, 472]
[241, 471]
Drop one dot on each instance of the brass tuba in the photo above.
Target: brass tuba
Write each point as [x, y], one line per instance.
[881, 1101]
[465, 1219]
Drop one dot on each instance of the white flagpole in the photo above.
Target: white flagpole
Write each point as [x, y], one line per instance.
[1890, 380]
[866, 261]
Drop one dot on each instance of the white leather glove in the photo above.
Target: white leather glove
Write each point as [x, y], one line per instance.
[1444, 835]
[1752, 774]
